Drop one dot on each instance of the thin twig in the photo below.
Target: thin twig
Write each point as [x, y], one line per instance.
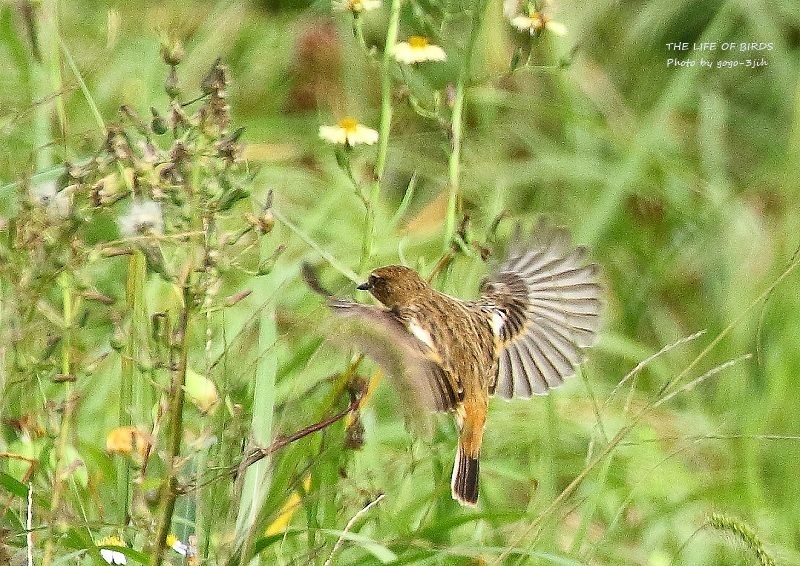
[641, 365]
[169, 491]
[350, 525]
[259, 453]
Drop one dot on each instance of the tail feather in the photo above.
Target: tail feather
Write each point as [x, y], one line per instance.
[464, 483]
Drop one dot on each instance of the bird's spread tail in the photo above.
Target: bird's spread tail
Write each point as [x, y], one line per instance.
[464, 483]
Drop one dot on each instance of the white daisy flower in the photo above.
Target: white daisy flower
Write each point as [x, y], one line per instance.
[417, 50]
[356, 6]
[177, 545]
[511, 8]
[536, 21]
[144, 217]
[112, 556]
[348, 132]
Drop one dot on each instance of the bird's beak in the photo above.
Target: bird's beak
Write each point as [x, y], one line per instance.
[364, 286]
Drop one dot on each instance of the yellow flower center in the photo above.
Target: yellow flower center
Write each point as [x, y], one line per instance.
[537, 19]
[348, 124]
[110, 541]
[417, 41]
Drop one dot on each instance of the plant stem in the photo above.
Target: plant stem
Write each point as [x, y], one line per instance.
[64, 281]
[385, 127]
[332, 261]
[386, 92]
[178, 358]
[84, 88]
[457, 124]
[49, 81]
[134, 293]
[358, 33]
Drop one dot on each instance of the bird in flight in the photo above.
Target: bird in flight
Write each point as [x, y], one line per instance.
[523, 336]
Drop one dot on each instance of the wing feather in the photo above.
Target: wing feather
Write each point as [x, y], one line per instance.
[505, 382]
[522, 387]
[550, 374]
[547, 302]
[534, 373]
[418, 378]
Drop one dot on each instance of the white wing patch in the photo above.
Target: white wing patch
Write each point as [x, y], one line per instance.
[498, 320]
[420, 333]
[402, 353]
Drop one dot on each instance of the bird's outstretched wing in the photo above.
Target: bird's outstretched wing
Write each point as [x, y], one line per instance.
[419, 380]
[545, 304]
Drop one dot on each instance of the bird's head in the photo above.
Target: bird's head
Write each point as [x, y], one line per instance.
[395, 285]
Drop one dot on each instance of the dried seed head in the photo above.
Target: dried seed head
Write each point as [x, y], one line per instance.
[149, 151]
[228, 147]
[178, 153]
[171, 83]
[177, 117]
[143, 217]
[158, 124]
[117, 143]
[216, 80]
[354, 435]
[56, 203]
[263, 223]
[75, 171]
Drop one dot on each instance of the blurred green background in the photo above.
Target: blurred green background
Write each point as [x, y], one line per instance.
[683, 182]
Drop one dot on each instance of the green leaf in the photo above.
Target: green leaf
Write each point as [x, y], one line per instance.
[375, 548]
[12, 485]
[264, 543]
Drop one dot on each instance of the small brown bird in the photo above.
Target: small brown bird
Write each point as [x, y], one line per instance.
[522, 336]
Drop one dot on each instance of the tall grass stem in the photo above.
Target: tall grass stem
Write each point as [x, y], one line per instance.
[457, 124]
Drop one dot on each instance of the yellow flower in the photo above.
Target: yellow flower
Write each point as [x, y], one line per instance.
[536, 21]
[177, 545]
[348, 132]
[356, 6]
[126, 439]
[417, 50]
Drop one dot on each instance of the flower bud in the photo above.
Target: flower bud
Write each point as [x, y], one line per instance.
[172, 51]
